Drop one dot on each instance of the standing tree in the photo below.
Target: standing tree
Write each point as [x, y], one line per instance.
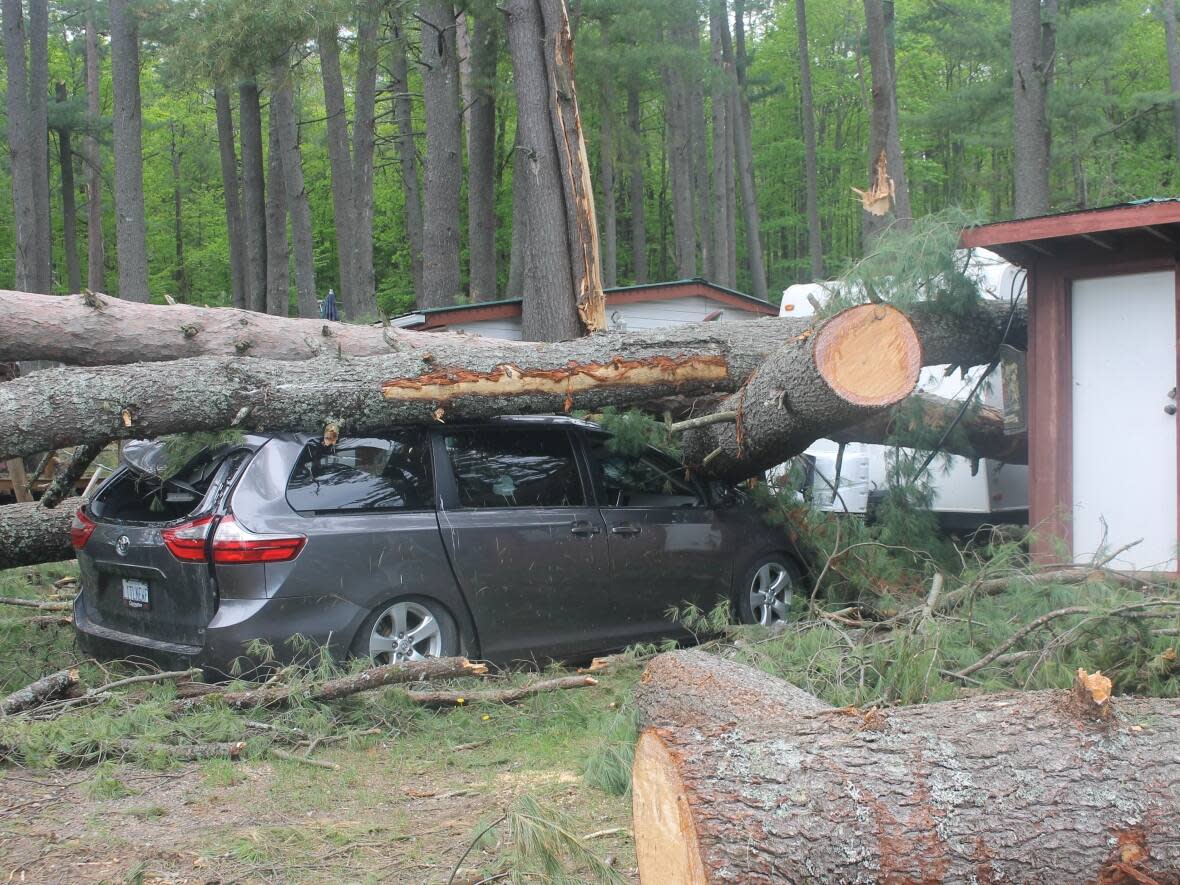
[284, 123]
[888, 188]
[481, 154]
[20, 138]
[723, 271]
[64, 126]
[278, 252]
[441, 272]
[38, 91]
[1034, 24]
[130, 213]
[637, 162]
[745, 157]
[610, 228]
[231, 188]
[815, 248]
[1173, 40]
[562, 287]
[407, 150]
[95, 253]
[254, 193]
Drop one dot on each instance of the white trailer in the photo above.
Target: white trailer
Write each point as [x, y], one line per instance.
[966, 495]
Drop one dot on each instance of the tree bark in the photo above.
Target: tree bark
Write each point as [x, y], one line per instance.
[1033, 47]
[518, 254]
[42, 270]
[407, 151]
[680, 162]
[254, 195]
[284, 120]
[442, 277]
[610, 226]
[130, 214]
[95, 254]
[700, 155]
[1173, 41]
[741, 777]
[722, 224]
[69, 206]
[278, 254]
[884, 137]
[340, 159]
[364, 133]
[481, 155]
[179, 273]
[745, 160]
[231, 186]
[31, 534]
[20, 137]
[638, 191]
[562, 285]
[815, 248]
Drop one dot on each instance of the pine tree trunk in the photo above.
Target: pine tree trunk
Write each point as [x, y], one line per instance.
[481, 156]
[680, 164]
[517, 256]
[254, 195]
[636, 166]
[883, 128]
[741, 777]
[1173, 41]
[31, 534]
[231, 187]
[130, 214]
[745, 160]
[723, 232]
[441, 272]
[364, 132]
[179, 273]
[1033, 29]
[19, 144]
[610, 232]
[278, 255]
[284, 121]
[340, 159]
[407, 151]
[698, 125]
[815, 248]
[42, 270]
[69, 206]
[95, 253]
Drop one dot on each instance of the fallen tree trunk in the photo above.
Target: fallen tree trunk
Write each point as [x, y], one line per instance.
[740, 777]
[982, 428]
[46, 688]
[30, 534]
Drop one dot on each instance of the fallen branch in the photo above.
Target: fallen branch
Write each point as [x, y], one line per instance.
[182, 752]
[44, 689]
[442, 699]
[280, 753]
[39, 604]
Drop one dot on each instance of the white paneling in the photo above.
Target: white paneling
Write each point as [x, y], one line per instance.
[505, 328]
[1124, 444]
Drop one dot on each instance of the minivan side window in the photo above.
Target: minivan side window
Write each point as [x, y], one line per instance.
[645, 480]
[390, 472]
[518, 467]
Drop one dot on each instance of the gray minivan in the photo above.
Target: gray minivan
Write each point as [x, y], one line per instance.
[518, 538]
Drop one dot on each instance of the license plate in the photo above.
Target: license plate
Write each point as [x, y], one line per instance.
[135, 594]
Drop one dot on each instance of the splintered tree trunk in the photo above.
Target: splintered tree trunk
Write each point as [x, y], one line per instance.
[130, 215]
[740, 777]
[42, 271]
[407, 151]
[481, 156]
[231, 186]
[441, 272]
[610, 229]
[815, 247]
[638, 190]
[19, 137]
[884, 138]
[284, 120]
[278, 256]
[1033, 29]
[254, 193]
[69, 206]
[95, 255]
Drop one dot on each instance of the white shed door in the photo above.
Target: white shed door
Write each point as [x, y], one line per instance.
[1124, 443]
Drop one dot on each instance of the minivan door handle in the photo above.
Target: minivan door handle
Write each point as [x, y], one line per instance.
[584, 527]
[625, 528]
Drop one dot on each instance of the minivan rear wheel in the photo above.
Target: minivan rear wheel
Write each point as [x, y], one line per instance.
[407, 629]
[764, 596]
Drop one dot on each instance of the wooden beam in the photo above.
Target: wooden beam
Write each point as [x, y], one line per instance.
[1071, 224]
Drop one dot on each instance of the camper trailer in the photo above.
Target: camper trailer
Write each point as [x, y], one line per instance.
[966, 494]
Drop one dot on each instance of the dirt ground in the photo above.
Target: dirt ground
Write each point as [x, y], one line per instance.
[381, 818]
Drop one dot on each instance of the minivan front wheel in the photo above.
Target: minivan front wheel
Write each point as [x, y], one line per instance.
[765, 593]
[407, 629]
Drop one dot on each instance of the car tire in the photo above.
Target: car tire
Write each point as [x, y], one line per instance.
[766, 588]
[408, 628]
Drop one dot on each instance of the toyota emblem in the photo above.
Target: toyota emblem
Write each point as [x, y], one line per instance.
[122, 544]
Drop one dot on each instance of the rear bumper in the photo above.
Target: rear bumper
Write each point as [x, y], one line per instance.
[237, 625]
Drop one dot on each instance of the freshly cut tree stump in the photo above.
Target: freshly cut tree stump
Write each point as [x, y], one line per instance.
[741, 777]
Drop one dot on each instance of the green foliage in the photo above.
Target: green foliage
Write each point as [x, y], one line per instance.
[608, 767]
[546, 849]
[181, 448]
[632, 431]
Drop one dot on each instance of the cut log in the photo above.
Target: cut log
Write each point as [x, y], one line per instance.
[46, 688]
[30, 534]
[851, 367]
[983, 428]
[442, 699]
[740, 777]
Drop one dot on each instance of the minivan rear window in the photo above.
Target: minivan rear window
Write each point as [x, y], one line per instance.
[515, 468]
[389, 472]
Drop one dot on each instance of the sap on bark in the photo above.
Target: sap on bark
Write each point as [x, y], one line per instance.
[741, 777]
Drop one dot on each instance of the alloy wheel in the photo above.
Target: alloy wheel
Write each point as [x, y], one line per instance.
[406, 631]
[770, 594]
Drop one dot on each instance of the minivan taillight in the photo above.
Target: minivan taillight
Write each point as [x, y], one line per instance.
[187, 541]
[81, 529]
[234, 543]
